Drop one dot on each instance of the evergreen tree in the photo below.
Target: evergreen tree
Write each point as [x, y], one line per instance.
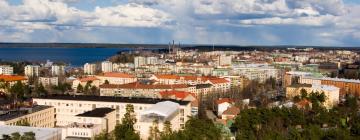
[79, 88]
[125, 130]
[154, 131]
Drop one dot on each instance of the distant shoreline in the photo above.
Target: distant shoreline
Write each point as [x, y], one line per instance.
[163, 46]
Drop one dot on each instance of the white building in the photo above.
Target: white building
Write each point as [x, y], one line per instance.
[31, 70]
[256, 72]
[49, 81]
[224, 60]
[90, 123]
[6, 70]
[332, 93]
[40, 133]
[139, 61]
[57, 70]
[106, 66]
[146, 109]
[89, 69]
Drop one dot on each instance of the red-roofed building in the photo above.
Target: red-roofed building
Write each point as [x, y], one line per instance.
[82, 81]
[178, 95]
[223, 104]
[219, 84]
[230, 113]
[12, 79]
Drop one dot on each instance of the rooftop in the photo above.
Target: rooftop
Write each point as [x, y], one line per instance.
[10, 78]
[97, 112]
[139, 85]
[117, 74]
[40, 133]
[111, 99]
[12, 114]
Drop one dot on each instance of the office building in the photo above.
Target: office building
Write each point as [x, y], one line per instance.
[106, 66]
[89, 69]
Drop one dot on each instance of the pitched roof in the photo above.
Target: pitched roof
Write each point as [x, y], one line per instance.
[178, 94]
[231, 111]
[223, 100]
[10, 78]
[90, 78]
[137, 85]
[212, 79]
[117, 74]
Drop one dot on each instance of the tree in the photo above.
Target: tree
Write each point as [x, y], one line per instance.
[167, 129]
[28, 136]
[15, 136]
[304, 94]
[23, 122]
[106, 82]
[154, 131]
[17, 90]
[79, 88]
[102, 136]
[125, 130]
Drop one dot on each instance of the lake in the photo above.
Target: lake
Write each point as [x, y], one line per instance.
[72, 56]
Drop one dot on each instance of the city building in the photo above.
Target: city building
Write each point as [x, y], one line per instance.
[106, 66]
[40, 132]
[223, 104]
[35, 116]
[84, 80]
[89, 69]
[10, 80]
[347, 86]
[57, 70]
[116, 78]
[6, 70]
[139, 61]
[31, 70]
[49, 81]
[146, 110]
[331, 92]
[218, 84]
[224, 60]
[90, 123]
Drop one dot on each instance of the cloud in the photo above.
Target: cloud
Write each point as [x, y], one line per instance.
[43, 14]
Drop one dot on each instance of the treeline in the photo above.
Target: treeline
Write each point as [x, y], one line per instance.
[342, 122]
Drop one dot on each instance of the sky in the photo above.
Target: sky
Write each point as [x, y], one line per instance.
[220, 22]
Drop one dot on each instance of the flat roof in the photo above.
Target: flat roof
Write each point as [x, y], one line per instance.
[97, 112]
[40, 133]
[139, 100]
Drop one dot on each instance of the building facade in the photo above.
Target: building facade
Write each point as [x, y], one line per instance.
[31, 70]
[177, 112]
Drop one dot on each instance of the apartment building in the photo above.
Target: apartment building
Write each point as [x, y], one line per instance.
[90, 123]
[36, 116]
[6, 70]
[331, 92]
[256, 72]
[146, 109]
[49, 81]
[57, 70]
[138, 89]
[218, 84]
[106, 66]
[31, 70]
[347, 86]
[116, 78]
[89, 69]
